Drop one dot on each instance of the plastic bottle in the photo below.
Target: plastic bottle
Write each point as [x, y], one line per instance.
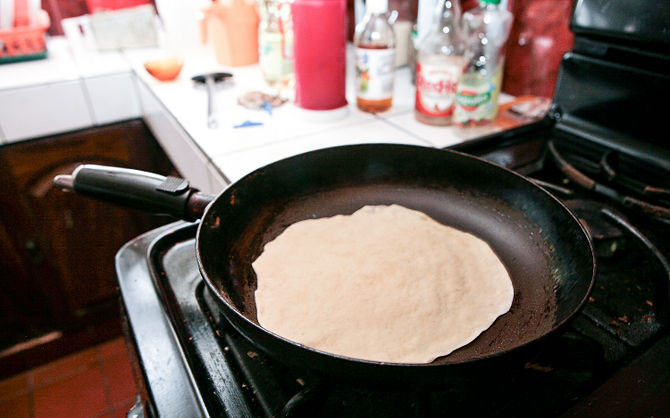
[440, 63]
[487, 28]
[319, 41]
[275, 42]
[375, 59]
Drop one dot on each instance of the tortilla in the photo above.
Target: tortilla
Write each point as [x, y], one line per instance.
[385, 284]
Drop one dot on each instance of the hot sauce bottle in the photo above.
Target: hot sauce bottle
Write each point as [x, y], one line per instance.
[375, 58]
[440, 63]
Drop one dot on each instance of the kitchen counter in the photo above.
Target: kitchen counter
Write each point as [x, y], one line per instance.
[75, 89]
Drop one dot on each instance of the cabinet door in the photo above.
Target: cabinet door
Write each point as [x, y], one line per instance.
[68, 242]
[22, 318]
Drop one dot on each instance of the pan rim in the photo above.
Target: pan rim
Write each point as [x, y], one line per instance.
[373, 363]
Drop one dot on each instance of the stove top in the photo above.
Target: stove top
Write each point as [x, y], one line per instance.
[602, 150]
[219, 373]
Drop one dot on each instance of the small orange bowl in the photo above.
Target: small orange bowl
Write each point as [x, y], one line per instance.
[166, 69]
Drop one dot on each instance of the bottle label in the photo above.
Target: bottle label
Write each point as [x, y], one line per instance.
[273, 64]
[477, 99]
[374, 73]
[436, 86]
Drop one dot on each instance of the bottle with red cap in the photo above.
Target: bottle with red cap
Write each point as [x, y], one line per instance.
[441, 59]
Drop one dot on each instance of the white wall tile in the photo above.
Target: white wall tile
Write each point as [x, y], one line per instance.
[113, 97]
[43, 110]
[176, 143]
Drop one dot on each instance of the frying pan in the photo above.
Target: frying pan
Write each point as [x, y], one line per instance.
[546, 250]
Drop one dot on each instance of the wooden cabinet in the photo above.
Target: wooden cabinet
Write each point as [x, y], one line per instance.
[57, 267]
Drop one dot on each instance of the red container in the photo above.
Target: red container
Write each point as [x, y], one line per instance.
[95, 5]
[25, 42]
[319, 41]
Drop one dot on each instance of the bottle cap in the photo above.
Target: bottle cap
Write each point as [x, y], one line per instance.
[490, 1]
[377, 6]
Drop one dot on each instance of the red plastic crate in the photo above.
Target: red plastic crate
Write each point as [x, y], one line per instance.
[25, 42]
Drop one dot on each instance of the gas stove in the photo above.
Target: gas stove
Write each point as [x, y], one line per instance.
[191, 359]
[601, 150]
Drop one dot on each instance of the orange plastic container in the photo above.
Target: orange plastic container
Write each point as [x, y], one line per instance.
[25, 42]
[233, 28]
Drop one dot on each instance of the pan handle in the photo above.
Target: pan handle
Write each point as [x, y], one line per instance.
[137, 189]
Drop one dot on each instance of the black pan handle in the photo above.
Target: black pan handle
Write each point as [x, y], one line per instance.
[141, 190]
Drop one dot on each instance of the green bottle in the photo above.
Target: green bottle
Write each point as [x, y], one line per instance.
[487, 28]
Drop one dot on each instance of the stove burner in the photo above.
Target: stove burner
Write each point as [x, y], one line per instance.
[578, 177]
[611, 159]
[629, 302]
[607, 238]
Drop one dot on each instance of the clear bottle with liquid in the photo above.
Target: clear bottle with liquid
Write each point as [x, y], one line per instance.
[441, 58]
[487, 28]
[275, 42]
[374, 44]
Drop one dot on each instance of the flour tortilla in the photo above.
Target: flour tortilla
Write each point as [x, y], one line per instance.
[386, 283]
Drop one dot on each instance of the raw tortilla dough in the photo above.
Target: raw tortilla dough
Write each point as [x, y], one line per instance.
[386, 283]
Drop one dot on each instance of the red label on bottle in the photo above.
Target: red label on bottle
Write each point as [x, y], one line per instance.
[436, 85]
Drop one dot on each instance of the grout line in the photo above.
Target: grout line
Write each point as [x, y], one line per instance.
[105, 379]
[31, 380]
[31, 403]
[78, 369]
[103, 413]
[408, 132]
[89, 103]
[289, 139]
[31, 386]
[26, 391]
[122, 404]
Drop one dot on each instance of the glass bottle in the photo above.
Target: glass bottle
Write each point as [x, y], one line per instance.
[440, 63]
[275, 42]
[374, 43]
[487, 27]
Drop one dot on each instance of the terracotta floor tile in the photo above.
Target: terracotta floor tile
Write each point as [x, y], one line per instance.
[112, 348]
[78, 396]
[120, 380]
[18, 407]
[67, 366]
[120, 412]
[13, 386]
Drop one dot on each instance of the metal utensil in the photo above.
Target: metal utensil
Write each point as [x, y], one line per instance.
[209, 80]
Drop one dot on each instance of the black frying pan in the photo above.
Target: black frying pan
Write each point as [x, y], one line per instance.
[545, 249]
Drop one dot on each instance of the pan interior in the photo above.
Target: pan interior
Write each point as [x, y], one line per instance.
[538, 241]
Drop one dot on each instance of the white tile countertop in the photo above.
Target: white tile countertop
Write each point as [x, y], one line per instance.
[78, 89]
